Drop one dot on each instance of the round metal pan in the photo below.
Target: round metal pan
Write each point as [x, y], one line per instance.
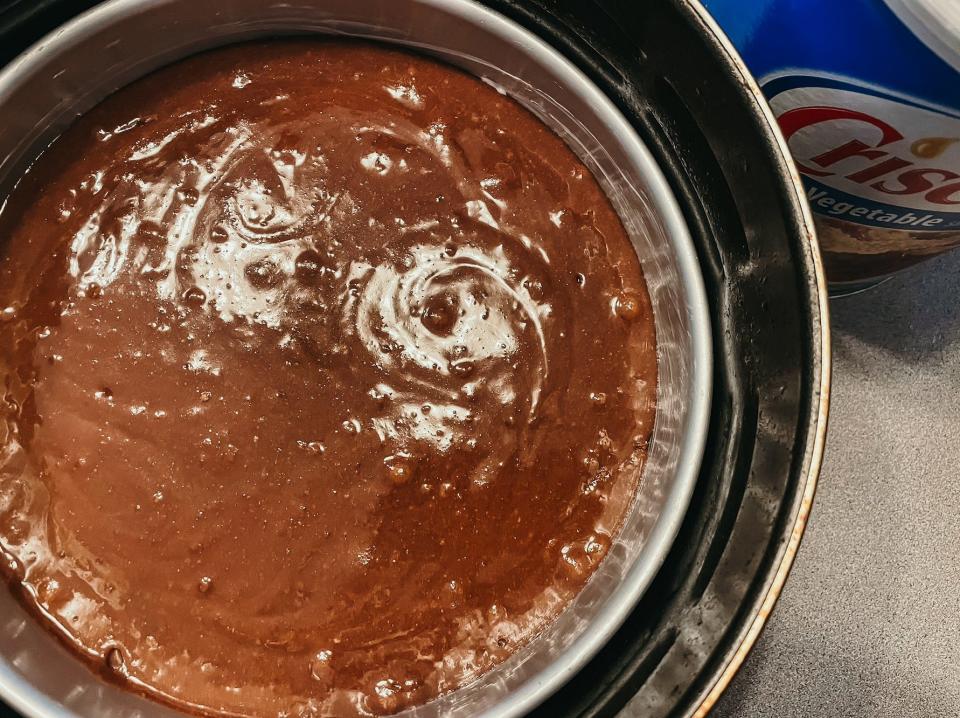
[116, 42]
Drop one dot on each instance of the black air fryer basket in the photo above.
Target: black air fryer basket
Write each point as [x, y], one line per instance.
[672, 74]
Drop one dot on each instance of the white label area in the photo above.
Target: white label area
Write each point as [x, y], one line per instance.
[871, 157]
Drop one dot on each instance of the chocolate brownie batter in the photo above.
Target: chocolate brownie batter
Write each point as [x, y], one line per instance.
[327, 376]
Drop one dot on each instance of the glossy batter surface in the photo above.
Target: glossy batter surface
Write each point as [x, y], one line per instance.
[327, 376]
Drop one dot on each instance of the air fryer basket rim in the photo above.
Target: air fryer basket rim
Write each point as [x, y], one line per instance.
[776, 582]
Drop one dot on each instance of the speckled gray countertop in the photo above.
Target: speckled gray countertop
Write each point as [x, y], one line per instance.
[868, 625]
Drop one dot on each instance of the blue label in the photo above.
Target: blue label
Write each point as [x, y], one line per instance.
[831, 202]
[876, 141]
[859, 39]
